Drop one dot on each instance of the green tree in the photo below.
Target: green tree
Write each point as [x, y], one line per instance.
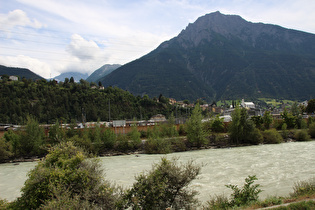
[195, 133]
[289, 119]
[5, 149]
[32, 139]
[217, 124]
[245, 195]
[66, 171]
[310, 106]
[165, 186]
[267, 119]
[242, 130]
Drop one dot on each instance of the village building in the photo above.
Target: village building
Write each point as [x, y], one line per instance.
[13, 78]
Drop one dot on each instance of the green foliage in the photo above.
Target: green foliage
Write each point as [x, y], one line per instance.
[311, 106]
[134, 138]
[272, 136]
[267, 119]
[247, 194]
[270, 201]
[308, 205]
[302, 135]
[5, 150]
[289, 119]
[311, 130]
[304, 188]
[195, 133]
[258, 121]
[218, 202]
[48, 102]
[217, 124]
[165, 186]
[242, 129]
[157, 145]
[56, 133]
[122, 143]
[108, 139]
[284, 131]
[54, 177]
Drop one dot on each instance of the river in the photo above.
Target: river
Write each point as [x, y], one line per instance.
[277, 168]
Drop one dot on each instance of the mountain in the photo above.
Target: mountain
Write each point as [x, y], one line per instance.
[224, 57]
[21, 72]
[102, 72]
[76, 76]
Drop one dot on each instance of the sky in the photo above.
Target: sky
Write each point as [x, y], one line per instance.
[50, 37]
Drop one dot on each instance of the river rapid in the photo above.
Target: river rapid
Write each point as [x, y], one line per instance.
[277, 168]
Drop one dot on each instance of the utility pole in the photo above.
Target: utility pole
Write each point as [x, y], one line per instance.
[109, 110]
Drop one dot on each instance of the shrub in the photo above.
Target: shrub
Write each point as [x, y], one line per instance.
[284, 131]
[165, 186]
[311, 130]
[218, 202]
[122, 143]
[134, 136]
[66, 169]
[5, 148]
[270, 201]
[243, 196]
[303, 188]
[108, 139]
[157, 146]
[272, 137]
[302, 135]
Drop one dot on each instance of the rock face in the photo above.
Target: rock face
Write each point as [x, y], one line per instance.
[225, 57]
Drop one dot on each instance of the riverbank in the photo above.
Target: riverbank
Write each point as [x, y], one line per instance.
[223, 144]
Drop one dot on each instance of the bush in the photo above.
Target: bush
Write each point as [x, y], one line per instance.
[165, 186]
[218, 202]
[311, 130]
[108, 139]
[272, 137]
[157, 146]
[303, 188]
[302, 135]
[134, 136]
[243, 196]
[66, 170]
[270, 201]
[5, 148]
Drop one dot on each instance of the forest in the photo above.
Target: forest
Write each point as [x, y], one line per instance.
[67, 101]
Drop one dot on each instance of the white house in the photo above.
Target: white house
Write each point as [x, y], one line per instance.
[249, 105]
[14, 78]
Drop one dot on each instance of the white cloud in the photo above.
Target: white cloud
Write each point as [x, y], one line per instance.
[82, 49]
[35, 65]
[18, 18]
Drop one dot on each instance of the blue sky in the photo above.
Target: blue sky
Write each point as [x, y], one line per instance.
[54, 36]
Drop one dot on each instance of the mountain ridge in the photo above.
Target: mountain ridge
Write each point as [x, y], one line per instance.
[21, 72]
[224, 57]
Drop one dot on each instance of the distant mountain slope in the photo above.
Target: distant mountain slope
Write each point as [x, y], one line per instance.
[21, 72]
[102, 72]
[76, 76]
[225, 57]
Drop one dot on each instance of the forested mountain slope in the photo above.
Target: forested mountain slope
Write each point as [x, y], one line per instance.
[225, 57]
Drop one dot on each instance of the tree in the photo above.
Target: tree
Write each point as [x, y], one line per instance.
[217, 124]
[165, 186]
[194, 128]
[310, 106]
[32, 139]
[249, 192]
[66, 172]
[71, 80]
[267, 119]
[242, 129]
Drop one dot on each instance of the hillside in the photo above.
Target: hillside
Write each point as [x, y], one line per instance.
[21, 72]
[224, 57]
[102, 72]
[76, 76]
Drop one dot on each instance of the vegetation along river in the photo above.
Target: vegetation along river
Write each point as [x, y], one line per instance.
[277, 168]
